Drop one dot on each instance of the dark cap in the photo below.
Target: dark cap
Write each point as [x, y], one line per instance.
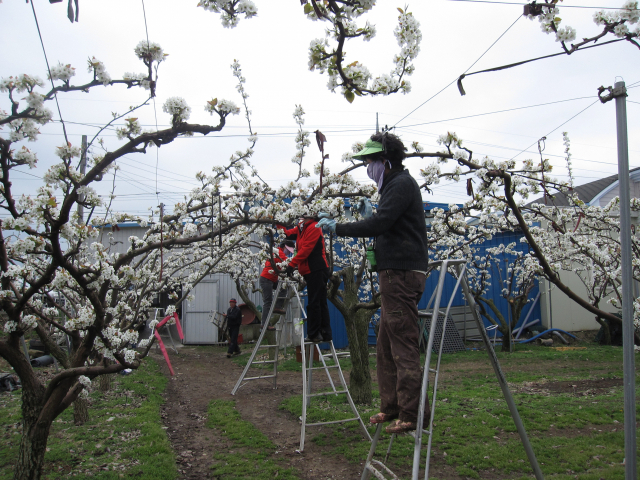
[232, 300]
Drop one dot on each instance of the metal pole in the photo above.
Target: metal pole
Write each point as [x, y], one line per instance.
[502, 381]
[83, 169]
[620, 93]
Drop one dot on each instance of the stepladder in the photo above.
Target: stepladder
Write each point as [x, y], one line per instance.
[329, 363]
[290, 287]
[430, 375]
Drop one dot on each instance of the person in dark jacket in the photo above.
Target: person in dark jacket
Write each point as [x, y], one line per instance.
[311, 262]
[402, 259]
[269, 282]
[234, 320]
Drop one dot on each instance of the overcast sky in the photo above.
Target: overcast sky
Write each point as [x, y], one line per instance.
[272, 49]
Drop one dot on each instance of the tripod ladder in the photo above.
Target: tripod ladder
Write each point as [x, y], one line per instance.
[288, 285]
[307, 380]
[374, 466]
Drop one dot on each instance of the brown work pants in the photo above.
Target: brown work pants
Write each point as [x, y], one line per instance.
[398, 352]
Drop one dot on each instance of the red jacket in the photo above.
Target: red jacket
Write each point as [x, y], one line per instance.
[310, 256]
[268, 271]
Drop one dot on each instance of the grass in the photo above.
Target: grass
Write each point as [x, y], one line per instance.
[474, 433]
[123, 437]
[253, 455]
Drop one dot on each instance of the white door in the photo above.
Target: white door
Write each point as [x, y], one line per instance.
[197, 314]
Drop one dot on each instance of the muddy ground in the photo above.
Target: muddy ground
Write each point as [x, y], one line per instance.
[203, 375]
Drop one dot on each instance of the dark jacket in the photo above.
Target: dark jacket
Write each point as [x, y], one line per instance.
[310, 255]
[234, 316]
[398, 225]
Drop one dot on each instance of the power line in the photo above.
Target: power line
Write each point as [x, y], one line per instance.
[496, 111]
[483, 54]
[541, 4]
[64, 129]
[155, 112]
[580, 112]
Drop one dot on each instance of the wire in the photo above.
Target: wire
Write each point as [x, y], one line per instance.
[483, 54]
[516, 64]
[155, 112]
[631, 101]
[497, 111]
[64, 129]
[580, 112]
[542, 4]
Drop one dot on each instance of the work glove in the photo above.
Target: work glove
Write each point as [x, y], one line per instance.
[324, 215]
[364, 208]
[327, 225]
[289, 270]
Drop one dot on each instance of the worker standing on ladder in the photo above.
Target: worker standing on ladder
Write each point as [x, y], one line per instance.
[402, 258]
[269, 282]
[311, 262]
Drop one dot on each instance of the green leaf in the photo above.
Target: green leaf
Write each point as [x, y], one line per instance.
[349, 96]
[308, 8]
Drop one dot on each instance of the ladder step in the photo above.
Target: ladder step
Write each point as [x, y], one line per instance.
[258, 378]
[320, 368]
[266, 346]
[262, 362]
[324, 394]
[334, 421]
[433, 370]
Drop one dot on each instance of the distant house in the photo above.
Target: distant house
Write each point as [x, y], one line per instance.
[557, 310]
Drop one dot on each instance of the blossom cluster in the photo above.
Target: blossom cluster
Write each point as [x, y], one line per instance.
[230, 9]
[177, 107]
[62, 72]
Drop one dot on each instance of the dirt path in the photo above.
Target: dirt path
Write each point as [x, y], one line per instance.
[201, 377]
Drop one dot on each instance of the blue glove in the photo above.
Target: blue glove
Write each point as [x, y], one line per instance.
[324, 215]
[364, 208]
[327, 225]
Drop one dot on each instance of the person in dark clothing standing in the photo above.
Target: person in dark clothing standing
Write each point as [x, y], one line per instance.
[311, 262]
[402, 259]
[234, 320]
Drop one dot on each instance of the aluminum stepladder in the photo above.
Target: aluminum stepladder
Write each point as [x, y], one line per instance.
[307, 380]
[459, 266]
[282, 283]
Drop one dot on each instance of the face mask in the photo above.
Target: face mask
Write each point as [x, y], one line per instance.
[375, 170]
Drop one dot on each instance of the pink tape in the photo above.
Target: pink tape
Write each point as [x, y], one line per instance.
[164, 350]
[175, 315]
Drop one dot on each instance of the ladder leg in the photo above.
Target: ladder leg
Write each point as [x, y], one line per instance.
[425, 373]
[366, 474]
[344, 386]
[304, 392]
[310, 373]
[255, 349]
[503, 382]
[324, 364]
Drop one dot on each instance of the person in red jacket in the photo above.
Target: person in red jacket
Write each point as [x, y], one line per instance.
[312, 264]
[269, 282]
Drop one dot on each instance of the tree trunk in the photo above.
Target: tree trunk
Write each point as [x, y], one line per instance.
[360, 377]
[80, 410]
[357, 325]
[33, 443]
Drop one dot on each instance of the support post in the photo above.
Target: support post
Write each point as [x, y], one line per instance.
[628, 356]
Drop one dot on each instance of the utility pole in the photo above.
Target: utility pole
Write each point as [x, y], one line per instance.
[83, 169]
[619, 93]
[377, 127]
